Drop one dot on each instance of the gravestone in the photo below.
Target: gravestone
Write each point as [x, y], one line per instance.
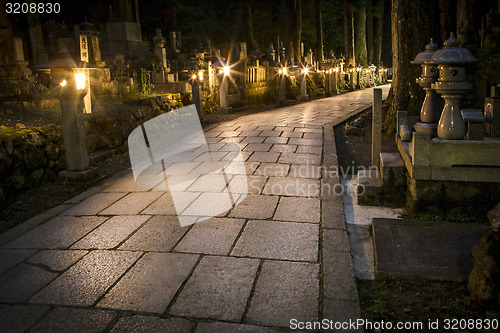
[122, 34]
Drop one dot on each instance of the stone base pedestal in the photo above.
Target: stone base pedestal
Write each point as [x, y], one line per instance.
[78, 176]
[429, 128]
[304, 98]
[226, 110]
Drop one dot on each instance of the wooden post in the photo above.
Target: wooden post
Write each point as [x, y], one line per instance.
[376, 126]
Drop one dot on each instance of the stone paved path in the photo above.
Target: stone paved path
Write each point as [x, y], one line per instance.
[114, 259]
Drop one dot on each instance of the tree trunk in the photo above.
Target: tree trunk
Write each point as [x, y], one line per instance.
[294, 29]
[378, 13]
[319, 32]
[247, 19]
[369, 30]
[445, 19]
[360, 32]
[407, 18]
[349, 33]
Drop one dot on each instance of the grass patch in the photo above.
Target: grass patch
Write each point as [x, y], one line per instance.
[410, 300]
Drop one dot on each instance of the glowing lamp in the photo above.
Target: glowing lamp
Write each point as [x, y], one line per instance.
[80, 81]
[225, 70]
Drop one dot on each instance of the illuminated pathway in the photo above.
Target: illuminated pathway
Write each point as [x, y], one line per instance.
[114, 259]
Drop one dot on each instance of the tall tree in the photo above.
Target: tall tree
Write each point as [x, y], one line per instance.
[247, 19]
[294, 29]
[319, 31]
[349, 33]
[360, 32]
[447, 18]
[369, 30]
[410, 22]
[378, 14]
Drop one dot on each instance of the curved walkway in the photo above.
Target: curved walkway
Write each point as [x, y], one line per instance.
[115, 259]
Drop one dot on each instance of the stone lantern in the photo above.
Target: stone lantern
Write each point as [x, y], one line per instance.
[69, 87]
[358, 76]
[304, 70]
[223, 72]
[451, 60]
[431, 109]
[350, 71]
[195, 75]
[372, 69]
[335, 72]
[328, 87]
[282, 72]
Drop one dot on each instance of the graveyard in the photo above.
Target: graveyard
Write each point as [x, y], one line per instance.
[250, 166]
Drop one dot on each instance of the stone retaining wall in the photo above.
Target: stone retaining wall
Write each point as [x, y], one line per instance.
[30, 156]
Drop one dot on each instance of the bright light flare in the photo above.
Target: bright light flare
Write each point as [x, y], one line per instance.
[225, 69]
[306, 70]
[63, 83]
[200, 74]
[285, 71]
[193, 77]
[80, 80]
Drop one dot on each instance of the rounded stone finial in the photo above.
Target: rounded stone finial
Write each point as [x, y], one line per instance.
[452, 41]
[431, 46]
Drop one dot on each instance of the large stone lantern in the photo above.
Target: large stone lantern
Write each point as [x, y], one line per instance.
[282, 74]
[69, 86]
[451, 60]
[223, 72]
[195, 74]
[431, 108]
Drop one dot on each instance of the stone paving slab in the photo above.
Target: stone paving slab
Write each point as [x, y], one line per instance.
[74, 320]
[10, 258]
[57, 260]
[160, 233]
[132, 203]
[88, 279]
[22, 282]
[211, 327]
[164, 205]
[298, 209]
[19, 318]
[290, 186]
[151, 283]
[214, 236]
[148, 324]
[260, 207]
[219, 288]
[296, 158]
[338, 281]
[285, 291]
[111, 233]
[278, 240]
[94, 204]
[340, 311]
[59, 232]
[260, 156]
[272, 170]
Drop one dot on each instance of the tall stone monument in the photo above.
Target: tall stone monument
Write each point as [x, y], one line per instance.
[122, 33]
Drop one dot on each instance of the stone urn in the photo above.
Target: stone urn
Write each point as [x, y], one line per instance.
[451, 61]
[431, 108]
